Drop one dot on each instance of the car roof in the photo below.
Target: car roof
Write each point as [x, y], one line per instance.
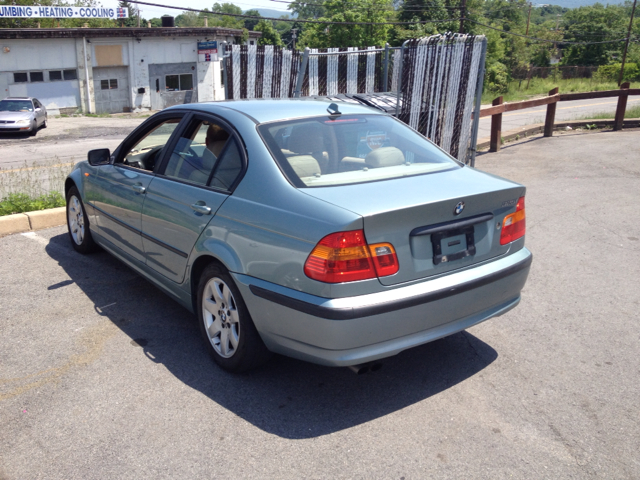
[264, 110]
[19, 98]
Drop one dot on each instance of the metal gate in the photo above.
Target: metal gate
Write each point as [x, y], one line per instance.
[433, 83]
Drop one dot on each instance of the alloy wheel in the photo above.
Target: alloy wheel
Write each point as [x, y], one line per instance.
[76, 219]
[221, 317]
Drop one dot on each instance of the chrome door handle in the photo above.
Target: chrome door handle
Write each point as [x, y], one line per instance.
[203, 209]
[139, 188]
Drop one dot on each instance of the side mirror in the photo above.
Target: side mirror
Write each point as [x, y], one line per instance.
[100, 156]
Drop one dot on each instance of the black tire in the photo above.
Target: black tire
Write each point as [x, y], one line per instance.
[34, 129]
[250, 351]
[81, 243]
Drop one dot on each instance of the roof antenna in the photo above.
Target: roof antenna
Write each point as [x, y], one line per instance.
[333, 109]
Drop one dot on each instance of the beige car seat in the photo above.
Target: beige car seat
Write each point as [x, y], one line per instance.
[304, 165]
[308, 140]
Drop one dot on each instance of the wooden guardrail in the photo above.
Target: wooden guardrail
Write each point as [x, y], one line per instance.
[551, 101]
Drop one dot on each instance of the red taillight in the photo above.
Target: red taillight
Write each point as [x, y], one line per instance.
[346, 257]
[514, 225]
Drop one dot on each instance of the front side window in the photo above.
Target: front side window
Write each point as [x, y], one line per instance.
[16, 106]
[147, 150]
[346, 149]
[175, 83]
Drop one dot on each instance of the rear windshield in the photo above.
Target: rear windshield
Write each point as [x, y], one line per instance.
[331, 151]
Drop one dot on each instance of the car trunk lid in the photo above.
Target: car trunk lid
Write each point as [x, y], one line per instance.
[437, 223]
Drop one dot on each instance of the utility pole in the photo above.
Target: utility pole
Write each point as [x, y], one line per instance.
[626, 44]
[528, 18]
[463, 13]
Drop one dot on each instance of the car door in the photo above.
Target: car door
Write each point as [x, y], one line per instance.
[119, 189]
[195, 180]
[39, 112]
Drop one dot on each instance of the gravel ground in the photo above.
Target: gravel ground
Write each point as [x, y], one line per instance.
[103, 376]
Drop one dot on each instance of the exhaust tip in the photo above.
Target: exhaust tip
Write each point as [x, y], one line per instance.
[365, 368]
[375, 367]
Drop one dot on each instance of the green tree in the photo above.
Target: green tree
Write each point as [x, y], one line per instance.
[250, 23]
[305, 11]
[270, 35]
[132, 19]
[189, 19]
[592, 24]
[323, 35]
[226, 20]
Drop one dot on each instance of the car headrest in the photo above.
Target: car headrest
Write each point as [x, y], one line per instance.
[384, 157]
[306, 139]
[216, 147]
[304, 165]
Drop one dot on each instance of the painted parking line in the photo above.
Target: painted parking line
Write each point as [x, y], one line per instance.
[36, 237]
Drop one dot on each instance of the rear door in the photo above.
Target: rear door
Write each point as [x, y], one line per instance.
[119, 190]
[195, 180]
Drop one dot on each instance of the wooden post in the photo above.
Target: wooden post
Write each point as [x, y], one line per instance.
[622, 106]
[551, 115]
[496, 128]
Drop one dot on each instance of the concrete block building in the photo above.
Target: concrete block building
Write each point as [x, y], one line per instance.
[112, 70]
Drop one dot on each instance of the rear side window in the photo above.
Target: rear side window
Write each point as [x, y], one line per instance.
[197, 152]
[347, 149]
[206, 154]
[228, 168]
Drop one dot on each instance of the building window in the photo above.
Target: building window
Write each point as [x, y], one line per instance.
[36, 76]
[70, 74]
[176, 83]
[20, 78]
[55, 75]
[110, 84]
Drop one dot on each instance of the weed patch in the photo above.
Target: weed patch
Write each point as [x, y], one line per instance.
[518, 90]
[21, 202]
[34, 187]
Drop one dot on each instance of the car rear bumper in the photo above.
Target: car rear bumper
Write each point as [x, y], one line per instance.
[353, 330]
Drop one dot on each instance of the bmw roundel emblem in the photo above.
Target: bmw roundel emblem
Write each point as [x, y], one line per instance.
[459, 208]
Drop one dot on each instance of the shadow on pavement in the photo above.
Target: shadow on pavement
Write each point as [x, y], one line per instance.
[286, 397]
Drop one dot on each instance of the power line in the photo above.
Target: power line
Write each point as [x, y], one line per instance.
[237, 15]
[294, 20]
[544, 39]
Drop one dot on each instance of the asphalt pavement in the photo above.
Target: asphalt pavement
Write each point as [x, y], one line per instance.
[103, 376]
